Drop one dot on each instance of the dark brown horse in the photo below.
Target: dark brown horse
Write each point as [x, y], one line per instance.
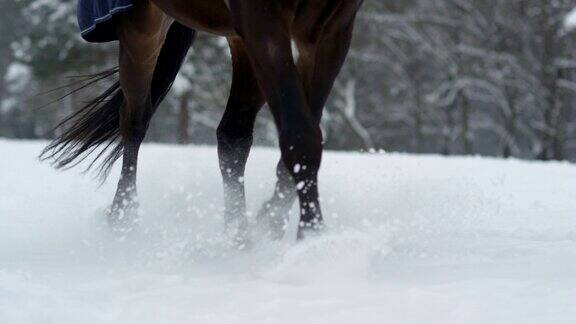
[155, 36]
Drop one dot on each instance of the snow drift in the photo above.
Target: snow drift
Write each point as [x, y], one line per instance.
[412, 240]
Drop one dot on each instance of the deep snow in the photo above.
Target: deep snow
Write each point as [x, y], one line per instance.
[412, 240]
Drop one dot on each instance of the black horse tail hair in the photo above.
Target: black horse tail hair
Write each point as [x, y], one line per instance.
[95, 127]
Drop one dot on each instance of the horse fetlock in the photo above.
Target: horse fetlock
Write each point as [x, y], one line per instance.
[310, 229]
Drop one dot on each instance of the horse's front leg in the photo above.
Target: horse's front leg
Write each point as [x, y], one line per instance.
[141, 33]
[235, 138]
[266, 35]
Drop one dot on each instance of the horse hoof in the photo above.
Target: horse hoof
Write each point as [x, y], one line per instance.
[272, 223]
[271, 228]
[236, 232]
[307, 231]
[122, 221]
[242, 243]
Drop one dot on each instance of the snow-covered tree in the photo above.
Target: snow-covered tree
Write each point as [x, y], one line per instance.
[494, 77]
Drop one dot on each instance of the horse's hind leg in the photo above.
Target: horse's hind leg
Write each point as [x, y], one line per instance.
[274, 212]
[266, 36]
[322, 54]
[141, 33]
[235, 137]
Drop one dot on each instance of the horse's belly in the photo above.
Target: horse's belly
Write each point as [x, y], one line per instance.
[212, 16]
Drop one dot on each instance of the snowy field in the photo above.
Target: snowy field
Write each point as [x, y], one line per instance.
[411, 240]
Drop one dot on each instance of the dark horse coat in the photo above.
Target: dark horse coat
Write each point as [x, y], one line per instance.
[154, 37]
[96, 18]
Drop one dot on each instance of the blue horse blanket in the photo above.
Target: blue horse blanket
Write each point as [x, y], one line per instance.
[96, 18]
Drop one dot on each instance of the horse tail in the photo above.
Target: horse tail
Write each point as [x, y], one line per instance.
[95, 127]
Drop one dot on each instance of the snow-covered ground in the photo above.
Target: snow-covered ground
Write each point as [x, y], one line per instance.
[411, 240]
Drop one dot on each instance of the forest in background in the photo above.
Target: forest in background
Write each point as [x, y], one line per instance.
[454, 77]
